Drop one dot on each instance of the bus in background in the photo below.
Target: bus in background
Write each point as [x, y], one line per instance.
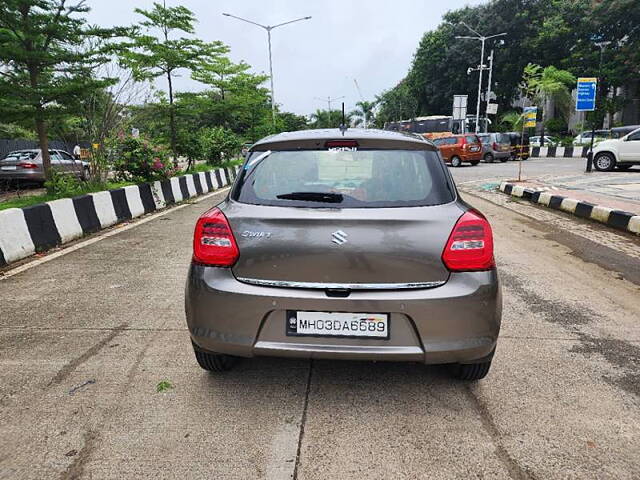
[437, 124]
[430, 124]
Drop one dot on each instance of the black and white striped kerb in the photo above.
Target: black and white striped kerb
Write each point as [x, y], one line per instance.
[627, 221]
[25, 231]
[561, 152]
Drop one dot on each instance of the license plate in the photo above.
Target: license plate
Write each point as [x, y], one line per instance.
[337, 324]
[10, 167]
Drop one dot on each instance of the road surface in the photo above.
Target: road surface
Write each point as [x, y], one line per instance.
[86, 337]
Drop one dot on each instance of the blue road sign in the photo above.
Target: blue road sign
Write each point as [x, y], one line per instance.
[586, 96]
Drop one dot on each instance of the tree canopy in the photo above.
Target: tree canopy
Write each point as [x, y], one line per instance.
[550, 33]
[47, 63]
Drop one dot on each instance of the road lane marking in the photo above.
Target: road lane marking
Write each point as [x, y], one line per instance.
[102, 236]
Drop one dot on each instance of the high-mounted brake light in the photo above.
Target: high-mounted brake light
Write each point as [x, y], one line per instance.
[213, 241]
[341, 143]
[470, 245]
[27, 165]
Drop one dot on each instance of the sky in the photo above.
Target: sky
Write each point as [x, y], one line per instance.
[372, 41]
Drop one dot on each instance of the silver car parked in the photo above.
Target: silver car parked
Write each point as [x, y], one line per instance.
[344, 245]
[26, 165]
[495, 146]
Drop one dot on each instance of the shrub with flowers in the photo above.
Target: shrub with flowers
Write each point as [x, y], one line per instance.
[137, 159]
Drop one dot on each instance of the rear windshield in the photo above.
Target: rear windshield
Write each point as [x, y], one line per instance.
[502, 138]
[21, 155]
[344, 179]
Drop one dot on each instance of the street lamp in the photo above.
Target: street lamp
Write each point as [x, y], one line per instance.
[481, 67]
[268, 28]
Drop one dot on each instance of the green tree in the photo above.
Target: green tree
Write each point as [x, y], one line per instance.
[363, 113]
[222, 74]
[511, 121]
[541, 84]
[45, 67]
[399, 103]
[155, 53]
[290, 122]
[328, 119]
[219, 144]
[12, 130]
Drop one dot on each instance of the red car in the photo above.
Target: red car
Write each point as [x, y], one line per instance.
[456, 149]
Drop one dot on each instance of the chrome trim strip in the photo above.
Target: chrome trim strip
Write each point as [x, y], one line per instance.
[339, 286]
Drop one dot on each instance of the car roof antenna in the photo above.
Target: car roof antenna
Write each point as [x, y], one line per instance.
[343, 125]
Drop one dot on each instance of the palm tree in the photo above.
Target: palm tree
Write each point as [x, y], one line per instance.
[363, 113]
[328, 119]
[513, 120]
[549, 83]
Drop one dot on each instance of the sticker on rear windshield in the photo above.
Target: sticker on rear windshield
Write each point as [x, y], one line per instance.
[342, 149]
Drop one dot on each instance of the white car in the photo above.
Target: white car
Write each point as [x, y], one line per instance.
[548, 141]
[585, 137]
[619, 153]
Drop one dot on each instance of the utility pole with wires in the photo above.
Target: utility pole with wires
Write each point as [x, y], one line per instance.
[329, 100]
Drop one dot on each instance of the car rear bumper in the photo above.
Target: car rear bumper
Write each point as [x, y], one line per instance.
[499, 154]
[471, 156]
[456, 322]
[26, 175]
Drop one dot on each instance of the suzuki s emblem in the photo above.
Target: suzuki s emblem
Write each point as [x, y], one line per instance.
[339, 237]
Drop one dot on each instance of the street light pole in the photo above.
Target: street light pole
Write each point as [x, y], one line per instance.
[602, 46]
[273, 94]
[268, 28]
[481, 67]
[488, 96]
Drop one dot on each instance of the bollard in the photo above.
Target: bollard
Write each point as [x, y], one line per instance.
[589, 161]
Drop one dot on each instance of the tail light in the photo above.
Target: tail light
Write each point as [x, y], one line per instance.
[341, 143]
[470, 245]
[495, 146]
[213, 241]
[27, 165]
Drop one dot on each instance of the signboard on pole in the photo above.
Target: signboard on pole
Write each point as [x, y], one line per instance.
[586, 94]
[460, 107]
[492, 108]
[530, 114]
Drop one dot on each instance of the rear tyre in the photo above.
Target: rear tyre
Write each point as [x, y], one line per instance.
[455, 161]
[488, 158]
[604, 162]
[214, 362]
[86, 174]
[470, 371]
[475, 162]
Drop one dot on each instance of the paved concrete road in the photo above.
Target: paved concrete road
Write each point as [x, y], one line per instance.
[86, 337]
[532, 168]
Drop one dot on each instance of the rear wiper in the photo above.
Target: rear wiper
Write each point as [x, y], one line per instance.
[326, 197]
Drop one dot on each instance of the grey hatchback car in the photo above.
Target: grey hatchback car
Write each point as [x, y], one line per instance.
[344, 245]
[495, 146]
